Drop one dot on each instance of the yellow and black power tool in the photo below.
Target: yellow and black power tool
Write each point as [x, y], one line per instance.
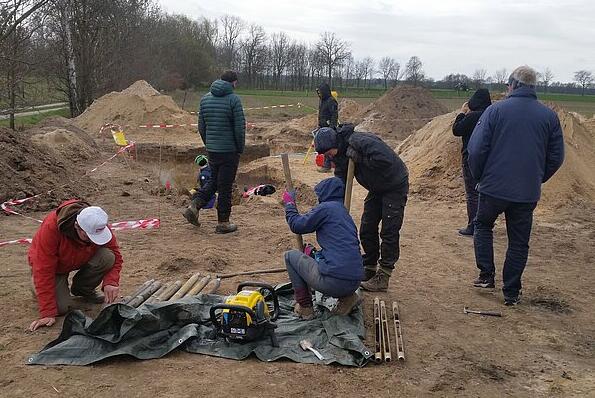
[246, 316]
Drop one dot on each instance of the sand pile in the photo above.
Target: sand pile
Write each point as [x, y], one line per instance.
[29, 165]
[138, 104]
[400, 112]
[433, 157]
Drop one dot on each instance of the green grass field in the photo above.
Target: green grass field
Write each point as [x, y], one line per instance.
[29, 120]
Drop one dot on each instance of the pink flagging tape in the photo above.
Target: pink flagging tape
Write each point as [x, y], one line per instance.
[151, 223]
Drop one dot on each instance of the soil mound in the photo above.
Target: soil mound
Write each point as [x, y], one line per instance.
[400, 112]
[31, 165]
[350, 111]
[138, 104]
[433, 157]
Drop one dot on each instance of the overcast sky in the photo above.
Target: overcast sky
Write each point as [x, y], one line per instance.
[449, 36]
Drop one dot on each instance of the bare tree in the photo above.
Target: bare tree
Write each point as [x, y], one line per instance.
[298, 65]
[414, 71]
[15, 12]
[387, 69]
[546, 77]
[584, 78]
[280, 55]
[360, 71]
[333, 51]
[479, 77]
[253, 52]
[500, 76]
[232, 29]
[368, 64]
[397, 74]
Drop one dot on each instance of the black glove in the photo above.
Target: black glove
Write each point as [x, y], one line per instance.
[354, 155]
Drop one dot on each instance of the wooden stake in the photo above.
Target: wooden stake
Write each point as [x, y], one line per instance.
[289, 187]
[349, 184]
[186, 287]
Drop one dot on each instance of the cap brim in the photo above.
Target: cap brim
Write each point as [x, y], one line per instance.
[102, 237]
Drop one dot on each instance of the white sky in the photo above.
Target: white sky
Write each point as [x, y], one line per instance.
[449, 36]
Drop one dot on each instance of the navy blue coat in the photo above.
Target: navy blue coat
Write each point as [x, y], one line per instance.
[336, 233]
[516, 146]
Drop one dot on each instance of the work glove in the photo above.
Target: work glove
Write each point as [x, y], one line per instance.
[353, 154]
[288, 198]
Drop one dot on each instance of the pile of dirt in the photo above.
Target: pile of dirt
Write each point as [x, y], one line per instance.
[400, 112]
[433, 156]
[32, 164]
[350, 111]
[138, 104]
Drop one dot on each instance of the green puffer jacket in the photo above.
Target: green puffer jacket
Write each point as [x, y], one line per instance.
[221, 121]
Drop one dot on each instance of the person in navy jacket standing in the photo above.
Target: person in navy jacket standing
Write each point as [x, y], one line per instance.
[516, 146]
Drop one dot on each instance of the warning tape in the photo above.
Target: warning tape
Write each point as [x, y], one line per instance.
[6, 206]
[298, 105]
[117, 226]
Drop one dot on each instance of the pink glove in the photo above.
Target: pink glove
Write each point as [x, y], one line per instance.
[288, 198]
[309, 249]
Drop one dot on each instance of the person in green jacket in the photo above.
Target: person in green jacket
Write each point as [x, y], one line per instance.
[222, 127]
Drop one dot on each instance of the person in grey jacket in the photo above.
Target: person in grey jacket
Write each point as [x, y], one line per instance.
[222, 127]
[516, 146]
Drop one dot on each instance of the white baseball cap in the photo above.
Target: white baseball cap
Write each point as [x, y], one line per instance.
[93, 220]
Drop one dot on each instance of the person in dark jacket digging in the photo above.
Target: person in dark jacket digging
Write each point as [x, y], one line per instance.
[516, 146]
[379, 170]
[463, 127]
[222, 127]
[328, 116]
[336, 269]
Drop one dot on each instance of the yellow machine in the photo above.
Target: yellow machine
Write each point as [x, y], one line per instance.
[246, 316]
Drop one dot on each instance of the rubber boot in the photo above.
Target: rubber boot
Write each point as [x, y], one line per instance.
[191, 213]
[379, 282]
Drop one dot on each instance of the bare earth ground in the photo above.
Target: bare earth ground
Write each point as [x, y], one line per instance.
[544, 347]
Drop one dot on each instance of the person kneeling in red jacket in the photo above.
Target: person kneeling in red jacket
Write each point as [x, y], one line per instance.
[75, 236]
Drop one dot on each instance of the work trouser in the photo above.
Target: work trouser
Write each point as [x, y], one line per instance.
[304, 275]
[519, 220]
[388, 208]
[470, 193]
[223, 168]
[85, 280]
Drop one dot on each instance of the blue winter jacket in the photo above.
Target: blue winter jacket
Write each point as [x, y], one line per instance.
[336, 233]
[516, 146]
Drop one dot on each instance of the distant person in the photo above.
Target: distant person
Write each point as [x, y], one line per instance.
[379, 170]
[74, 237]
[336, 269]
[516, 146]
[463, 127]
[328, 116]
[222, 127]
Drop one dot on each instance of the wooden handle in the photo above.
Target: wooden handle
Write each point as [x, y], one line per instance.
[289, 187]
[349, 184]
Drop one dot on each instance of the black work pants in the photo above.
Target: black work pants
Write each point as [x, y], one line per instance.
[388, 208]
[519, 220]
[223, 167]
[471, 194]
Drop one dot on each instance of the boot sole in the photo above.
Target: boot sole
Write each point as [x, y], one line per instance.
[189, 216]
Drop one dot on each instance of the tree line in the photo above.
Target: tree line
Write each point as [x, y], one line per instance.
[86, 48]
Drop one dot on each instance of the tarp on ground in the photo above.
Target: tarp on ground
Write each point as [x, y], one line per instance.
[154, 330]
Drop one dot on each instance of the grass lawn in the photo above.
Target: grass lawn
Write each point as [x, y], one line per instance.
[29, 120]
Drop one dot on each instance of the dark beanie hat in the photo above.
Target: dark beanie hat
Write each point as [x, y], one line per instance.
[326, 138]
[229, 76]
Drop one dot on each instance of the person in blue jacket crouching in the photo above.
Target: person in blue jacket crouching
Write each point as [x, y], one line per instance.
[337, 268]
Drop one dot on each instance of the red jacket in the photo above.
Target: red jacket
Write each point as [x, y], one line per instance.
[52, 252]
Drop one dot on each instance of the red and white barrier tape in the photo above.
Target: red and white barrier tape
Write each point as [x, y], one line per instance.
[298, 105]
[152, 223]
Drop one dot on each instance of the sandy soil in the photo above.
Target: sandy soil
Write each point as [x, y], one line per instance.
[544, 347]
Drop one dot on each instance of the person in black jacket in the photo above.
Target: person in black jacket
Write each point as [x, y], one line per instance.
[328, 116]
[380, 170]
[463, 127]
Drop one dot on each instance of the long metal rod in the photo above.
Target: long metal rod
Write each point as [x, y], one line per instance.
[398, 333]
[254, 272]
[385, 332]
[349, 184]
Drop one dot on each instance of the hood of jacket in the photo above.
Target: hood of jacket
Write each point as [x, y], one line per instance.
[221, 88]
[524, 91]
[480, 100]
[324, 91]
[330, 189]
[66, 216]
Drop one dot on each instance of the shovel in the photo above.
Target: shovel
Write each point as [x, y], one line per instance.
[307, 345]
